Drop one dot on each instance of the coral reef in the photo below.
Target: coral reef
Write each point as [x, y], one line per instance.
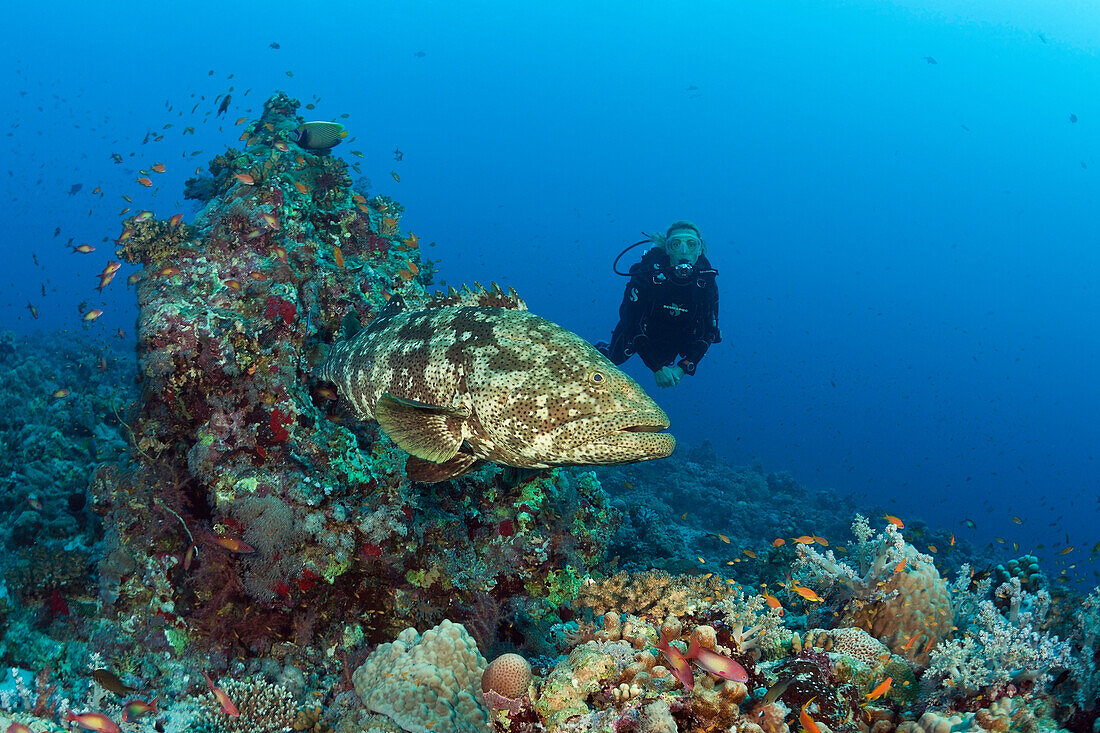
[233, 520]
[892, 590]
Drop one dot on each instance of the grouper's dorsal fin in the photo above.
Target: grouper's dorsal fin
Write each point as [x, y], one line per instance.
[478, 296]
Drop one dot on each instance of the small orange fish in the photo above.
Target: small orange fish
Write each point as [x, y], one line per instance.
[233, 544]
[175, 219]
[881, 689]
[227, 705]
[933, 549]
[749, 553]
[145, 181]
[1066, 551]
[94, 721]
[257, 276]
[895, 521]
[404, 274]
[60, 394]
[415, 270]
[1017, 520]
[244, 135]
[233, 284]
[93, 314]
[280, 252]
[952, 539]
[158, 168]
[909, 644]
[301, 187]
[137, 709]
[241, 121]
[110, 267]
[808, 724]
[724, 538]
[126, 234]
[395, 176]
[168, 271]
[803, 540]
[271, 220]
[774, 603]
[127, 199]
[33, 310]
[254, 234]
[281, 146]
[338, 256]
[807, 593]
[84, 248]
[245, 179]
[778, 542]
[412, 242]
[900, 567]
[97, 189]
[134, 278]
[821, 541]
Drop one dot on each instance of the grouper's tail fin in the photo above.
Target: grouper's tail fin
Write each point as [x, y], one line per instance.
[494, 297]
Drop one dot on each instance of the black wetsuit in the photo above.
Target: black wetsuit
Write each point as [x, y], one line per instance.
[663, 317]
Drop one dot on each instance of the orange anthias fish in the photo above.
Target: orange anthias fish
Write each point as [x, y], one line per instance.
[680, 668]
[717, 664]
[137, 709]
[338, 256]
[245, 179]
[895, 521]
[158, 167]
[145, 181]
[881, 689]
[84, 248]
[774, 603]
[175, 220]
[778, 542]
[301, 187]
[93, 314]
[271, 220]
[803, 540]
[231, 543]
[807, 593]
[94, 721]
[808, 724]
[227, 705]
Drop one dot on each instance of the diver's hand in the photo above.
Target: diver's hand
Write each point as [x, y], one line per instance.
[668, 376]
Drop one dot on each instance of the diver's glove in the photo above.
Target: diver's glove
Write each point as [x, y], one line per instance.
[668, 376]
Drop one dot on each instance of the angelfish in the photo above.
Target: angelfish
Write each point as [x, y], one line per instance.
[319, 135]
[473, 376]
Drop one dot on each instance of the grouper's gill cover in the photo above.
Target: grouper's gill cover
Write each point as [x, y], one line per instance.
[474, 376]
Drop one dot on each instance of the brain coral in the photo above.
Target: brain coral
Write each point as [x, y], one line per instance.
[508, 675]
[428, 683]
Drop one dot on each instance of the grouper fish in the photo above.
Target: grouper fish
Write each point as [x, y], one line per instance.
[473, 376]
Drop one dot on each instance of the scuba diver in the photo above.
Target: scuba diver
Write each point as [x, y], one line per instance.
[670, 308]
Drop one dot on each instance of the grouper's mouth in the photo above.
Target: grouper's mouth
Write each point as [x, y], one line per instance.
[625, 438]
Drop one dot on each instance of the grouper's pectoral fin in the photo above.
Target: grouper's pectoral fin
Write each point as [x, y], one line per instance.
[417, 469]
[430, 432]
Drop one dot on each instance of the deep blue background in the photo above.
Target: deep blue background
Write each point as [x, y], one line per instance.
[908, 251]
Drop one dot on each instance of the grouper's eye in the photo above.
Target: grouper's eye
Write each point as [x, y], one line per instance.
[597, 378]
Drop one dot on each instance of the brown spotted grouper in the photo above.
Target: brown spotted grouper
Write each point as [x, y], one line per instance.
[474, 376]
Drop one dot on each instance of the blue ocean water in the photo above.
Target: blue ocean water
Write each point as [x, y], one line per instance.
[900, 199]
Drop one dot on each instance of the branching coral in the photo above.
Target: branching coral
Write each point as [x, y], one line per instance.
[264, 708]
[995, 649]
[652, 594]
[894, 592]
